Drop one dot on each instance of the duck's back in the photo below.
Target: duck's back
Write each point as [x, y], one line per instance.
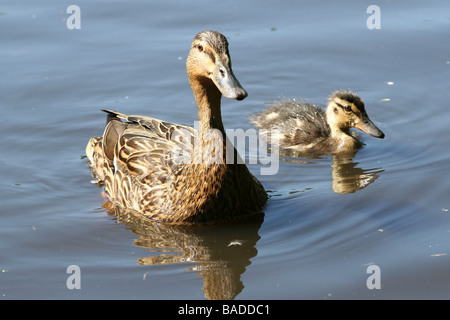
[299, 124]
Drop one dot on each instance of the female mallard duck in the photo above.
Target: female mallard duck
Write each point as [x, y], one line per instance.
[175, 173]
[304, 127]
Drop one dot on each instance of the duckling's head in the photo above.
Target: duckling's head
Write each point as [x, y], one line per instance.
[209, 60]
[346, 110]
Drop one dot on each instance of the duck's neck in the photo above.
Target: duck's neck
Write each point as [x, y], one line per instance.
[207, 97]
[210, 143]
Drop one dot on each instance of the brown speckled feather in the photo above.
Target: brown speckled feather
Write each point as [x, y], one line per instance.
[144, 176]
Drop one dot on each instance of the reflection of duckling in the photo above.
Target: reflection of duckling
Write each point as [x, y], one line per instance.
[305, 127]
[347, 177]
[138, 159]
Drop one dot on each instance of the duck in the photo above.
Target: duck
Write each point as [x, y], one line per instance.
[178, 174]
[307, 128]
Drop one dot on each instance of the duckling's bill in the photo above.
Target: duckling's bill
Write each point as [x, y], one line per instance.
[369, 127]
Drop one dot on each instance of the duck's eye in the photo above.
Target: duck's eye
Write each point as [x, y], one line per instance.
[347, 108]
[200, 47]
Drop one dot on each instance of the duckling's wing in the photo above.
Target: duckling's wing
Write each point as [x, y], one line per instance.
[298, 123]
[310, 124]
[270, 118]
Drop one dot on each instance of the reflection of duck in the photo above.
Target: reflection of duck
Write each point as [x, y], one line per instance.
[139, 160]
[307, 128]
[220, 253]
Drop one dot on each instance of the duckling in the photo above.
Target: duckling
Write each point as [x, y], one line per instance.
[306, 128]
[138, 158]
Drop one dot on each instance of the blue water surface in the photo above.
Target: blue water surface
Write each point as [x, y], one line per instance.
[328, 219]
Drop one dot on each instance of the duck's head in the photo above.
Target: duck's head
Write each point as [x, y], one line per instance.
[209, 60]
[346, 110]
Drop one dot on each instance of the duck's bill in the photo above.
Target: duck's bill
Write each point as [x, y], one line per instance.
[225, 80]
[368, 127]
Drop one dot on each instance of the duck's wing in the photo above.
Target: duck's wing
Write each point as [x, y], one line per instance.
[169, 131]
[148, 169]
[143, 144]
[138, 158]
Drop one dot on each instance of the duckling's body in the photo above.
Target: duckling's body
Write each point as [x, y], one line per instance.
[174, 173]
[307, 128]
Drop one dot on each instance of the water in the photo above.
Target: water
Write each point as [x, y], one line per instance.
[327, 220]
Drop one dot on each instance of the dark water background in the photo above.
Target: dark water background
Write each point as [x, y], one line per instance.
[328, 219]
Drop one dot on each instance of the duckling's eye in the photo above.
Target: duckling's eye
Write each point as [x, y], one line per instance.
[200, 47]
[347, 108]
